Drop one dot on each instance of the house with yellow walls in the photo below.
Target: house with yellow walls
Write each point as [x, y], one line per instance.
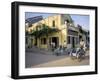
[58, 30]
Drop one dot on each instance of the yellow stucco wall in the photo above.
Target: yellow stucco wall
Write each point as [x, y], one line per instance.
[48, 21]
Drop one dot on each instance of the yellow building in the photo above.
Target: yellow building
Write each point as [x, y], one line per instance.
[66, 34]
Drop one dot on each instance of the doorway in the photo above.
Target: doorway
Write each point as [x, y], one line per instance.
[56, 41]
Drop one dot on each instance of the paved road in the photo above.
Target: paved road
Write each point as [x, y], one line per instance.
[64, 62]
[37, 59]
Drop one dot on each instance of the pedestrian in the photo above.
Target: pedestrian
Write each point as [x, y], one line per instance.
[53, 46]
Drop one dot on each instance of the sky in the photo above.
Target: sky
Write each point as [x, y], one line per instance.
[82, 20]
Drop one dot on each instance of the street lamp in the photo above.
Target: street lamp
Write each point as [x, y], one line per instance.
[65, 22]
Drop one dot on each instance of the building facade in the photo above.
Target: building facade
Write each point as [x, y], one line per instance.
[67, 35]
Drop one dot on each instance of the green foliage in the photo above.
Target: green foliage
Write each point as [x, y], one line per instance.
[45, 30]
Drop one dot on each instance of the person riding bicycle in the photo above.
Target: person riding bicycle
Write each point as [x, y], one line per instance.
[82, 43]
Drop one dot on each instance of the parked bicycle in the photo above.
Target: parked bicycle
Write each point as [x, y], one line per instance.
[62, 51]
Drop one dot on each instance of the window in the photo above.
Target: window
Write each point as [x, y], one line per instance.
[43, 40]
[68, 40]
[53, 23]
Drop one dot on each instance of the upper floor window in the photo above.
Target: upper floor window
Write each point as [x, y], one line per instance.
[53, 23]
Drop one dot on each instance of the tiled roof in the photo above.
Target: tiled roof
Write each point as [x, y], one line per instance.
[33, 20]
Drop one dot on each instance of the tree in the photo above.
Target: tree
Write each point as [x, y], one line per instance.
[44, 31]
